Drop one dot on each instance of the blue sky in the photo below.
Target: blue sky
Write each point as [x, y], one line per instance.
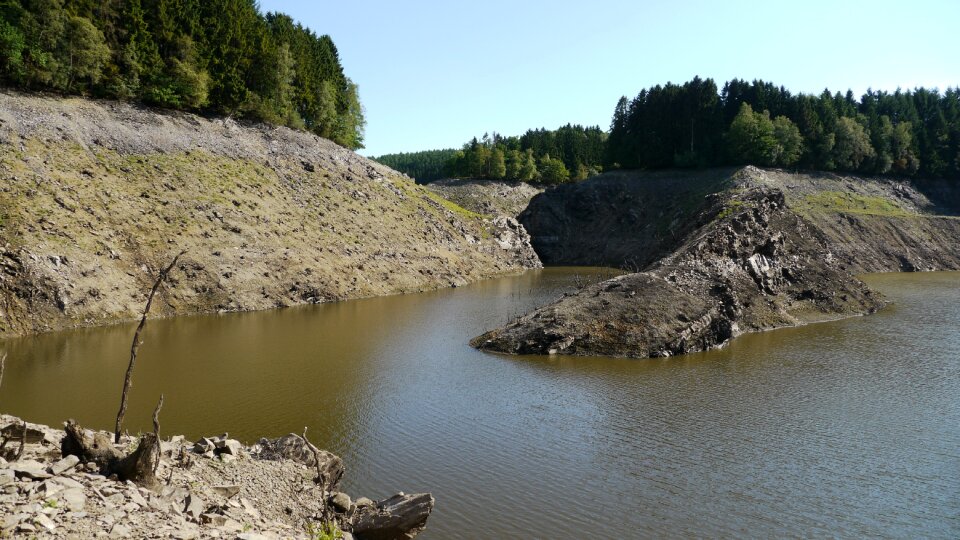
[435, 74]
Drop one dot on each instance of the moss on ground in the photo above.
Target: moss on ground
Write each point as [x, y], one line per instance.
[852, 203]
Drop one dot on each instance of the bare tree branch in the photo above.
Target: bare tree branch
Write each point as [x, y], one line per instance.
[135, 346]
[156, 432]
[3, 363]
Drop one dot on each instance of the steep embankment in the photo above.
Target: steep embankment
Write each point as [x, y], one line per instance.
[97, 195]
[747, 251]
[487, 197]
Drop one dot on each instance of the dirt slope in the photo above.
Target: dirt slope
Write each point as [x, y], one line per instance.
[487, 197]
[761, 250]
[95, 196]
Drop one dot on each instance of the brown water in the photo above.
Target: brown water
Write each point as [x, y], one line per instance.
[847, 429]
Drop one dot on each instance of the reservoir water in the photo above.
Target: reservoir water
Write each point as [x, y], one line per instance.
[849, 428]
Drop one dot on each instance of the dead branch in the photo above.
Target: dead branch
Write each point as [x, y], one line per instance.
[3, 363]
[320, 478]
[128, 379]
[156, 431]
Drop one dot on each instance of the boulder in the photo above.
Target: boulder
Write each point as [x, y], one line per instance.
[341, 501]
[204, 445]
[400, 517]
[229, 446]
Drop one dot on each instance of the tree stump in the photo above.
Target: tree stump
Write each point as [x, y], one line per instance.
[138, 466]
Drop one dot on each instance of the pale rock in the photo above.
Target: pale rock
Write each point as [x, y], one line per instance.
[31, 469]
[63, 465]
[250, 509]
[215, 520]
[194, 507]
[227, 491]
[203, 446]
[45, 522]
[120, 531]
[135, 496]
[231, 526]
[74, 499]
[230, 446]
[341, 501]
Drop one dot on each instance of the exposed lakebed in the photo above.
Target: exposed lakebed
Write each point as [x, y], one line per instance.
[848, 428]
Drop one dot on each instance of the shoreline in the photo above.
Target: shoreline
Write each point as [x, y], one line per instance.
[213, 488]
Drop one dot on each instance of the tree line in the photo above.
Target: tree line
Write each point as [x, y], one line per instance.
[571, 152]
[217, 56]
[913, 133]
[905, 133]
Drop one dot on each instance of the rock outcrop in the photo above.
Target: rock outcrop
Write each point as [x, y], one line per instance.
[213, 488]
[760, 250]
[95, 196]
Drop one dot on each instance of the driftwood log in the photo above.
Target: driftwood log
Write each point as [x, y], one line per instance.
[138, 466]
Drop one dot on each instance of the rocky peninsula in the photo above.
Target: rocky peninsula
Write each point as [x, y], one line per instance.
[720, 253]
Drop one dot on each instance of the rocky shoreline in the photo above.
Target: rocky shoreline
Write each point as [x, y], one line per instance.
[211, 488]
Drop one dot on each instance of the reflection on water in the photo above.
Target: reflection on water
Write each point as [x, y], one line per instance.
[849, 428]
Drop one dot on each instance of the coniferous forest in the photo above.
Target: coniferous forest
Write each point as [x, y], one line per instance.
[571, 152]
[912, 133]
[216, 56]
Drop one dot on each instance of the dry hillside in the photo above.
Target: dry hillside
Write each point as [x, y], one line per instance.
[96, 196]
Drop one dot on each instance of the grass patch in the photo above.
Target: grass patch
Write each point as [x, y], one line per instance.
[732, 207]
[853, 203]
[448, 205]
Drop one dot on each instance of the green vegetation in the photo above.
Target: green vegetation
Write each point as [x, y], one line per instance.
[220, 56]
[852, 203]
[904, 133]
[539, 155]
[694, 125]
[323, 531]
[425, 166]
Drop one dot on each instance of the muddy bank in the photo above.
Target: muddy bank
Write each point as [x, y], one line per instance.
[212, 488]
[96, 196]
[743, 251]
